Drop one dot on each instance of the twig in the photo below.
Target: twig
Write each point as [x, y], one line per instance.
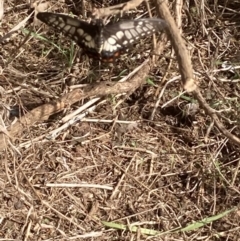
[214, 116]
[184, 62]
[74, 185]
[62, 215]
[53, 134]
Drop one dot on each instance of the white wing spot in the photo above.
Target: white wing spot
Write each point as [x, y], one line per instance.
[72, 22]
[70, 29]
[105, 46]
[90, 44]
[62, 25]
[140, 23]
[134, 32]
[149, 26]
[108, 47]
[88, 37]
[80, 31]
[145, 29]
[128, 34]
[126, 25]
[125, 42]
[113, 48]
[111, 41]
[119, 34]
[52, 20]
[139, 30]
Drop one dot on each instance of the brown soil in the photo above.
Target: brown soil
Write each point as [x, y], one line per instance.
[117, 165]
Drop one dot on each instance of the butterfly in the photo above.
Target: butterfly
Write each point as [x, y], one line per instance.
[104, 42]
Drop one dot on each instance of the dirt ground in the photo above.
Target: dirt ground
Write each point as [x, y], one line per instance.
[116, 173]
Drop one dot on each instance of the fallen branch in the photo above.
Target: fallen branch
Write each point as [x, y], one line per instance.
[43, 112]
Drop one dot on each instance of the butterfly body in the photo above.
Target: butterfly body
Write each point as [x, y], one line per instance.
[105, 42]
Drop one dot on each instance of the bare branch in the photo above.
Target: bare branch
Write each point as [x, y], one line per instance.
[185, 66]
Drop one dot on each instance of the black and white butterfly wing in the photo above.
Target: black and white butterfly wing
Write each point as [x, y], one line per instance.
[83, 33]
[103, 42]
[120, 36]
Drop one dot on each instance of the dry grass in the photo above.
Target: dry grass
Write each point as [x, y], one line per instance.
[159, 175]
